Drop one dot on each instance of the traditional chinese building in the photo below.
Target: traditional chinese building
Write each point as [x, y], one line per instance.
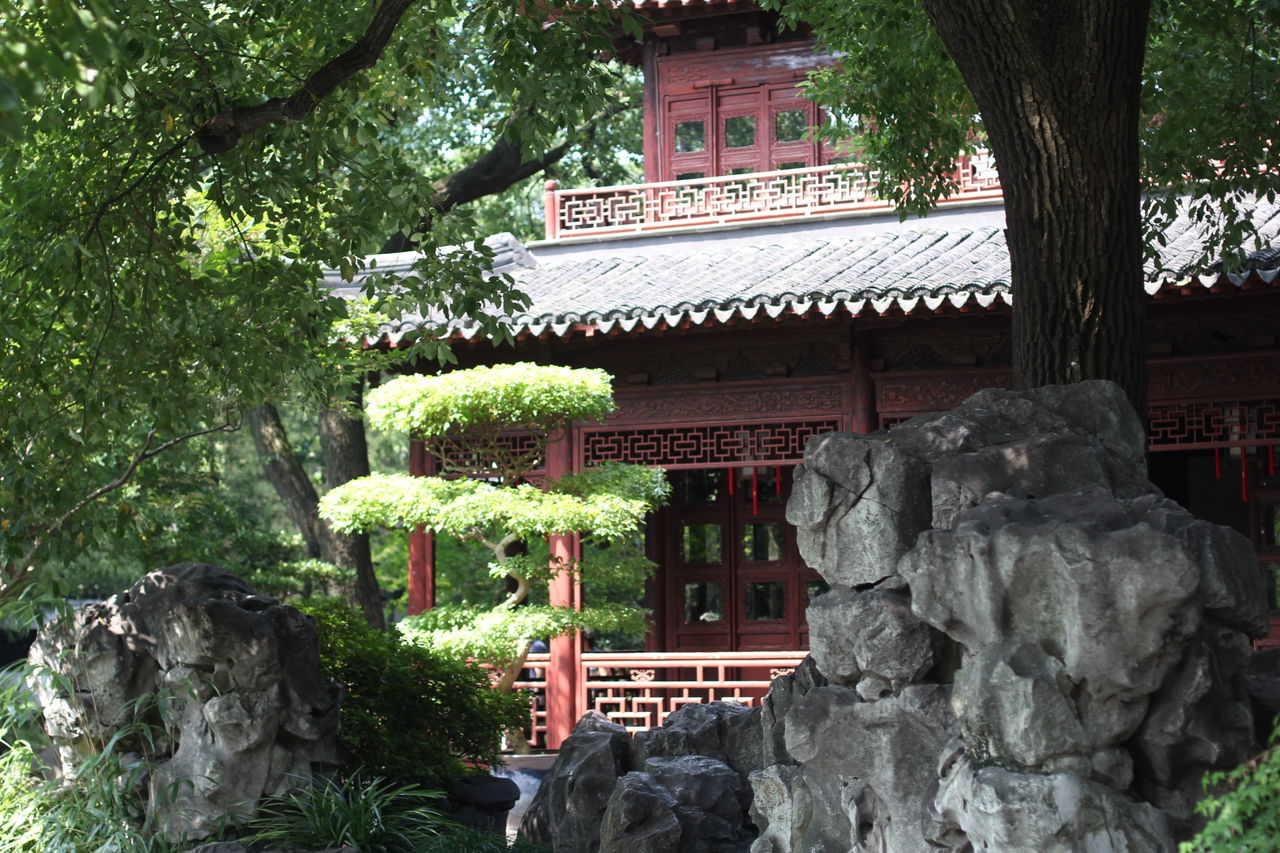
[754, 293]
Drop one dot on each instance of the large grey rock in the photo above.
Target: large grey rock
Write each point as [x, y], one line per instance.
[726, 731]
[871, 634]
[566, 812]
[244, 710]
[1006, 812]
[640, 817]
[800, 809]
[1072, 604]
[858, 504]
[784, 692]
[891, 745]
[712, 803]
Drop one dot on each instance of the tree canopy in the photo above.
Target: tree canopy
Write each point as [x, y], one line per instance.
[173, 178]
[1084, 105]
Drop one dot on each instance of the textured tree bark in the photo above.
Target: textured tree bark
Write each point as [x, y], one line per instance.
[1058, 85]
[344, 451]
[346, 457]
[285, 474]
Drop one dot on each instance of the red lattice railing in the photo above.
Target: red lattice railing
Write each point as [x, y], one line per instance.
[701, 446]
[756, 197]
[640, 689]
[1198, 425]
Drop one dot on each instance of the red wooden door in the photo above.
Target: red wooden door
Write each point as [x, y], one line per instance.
[733, 578]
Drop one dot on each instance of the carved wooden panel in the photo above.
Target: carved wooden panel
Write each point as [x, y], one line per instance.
[898, 394]
[1251, 375]
[762, 400]
[704, 445]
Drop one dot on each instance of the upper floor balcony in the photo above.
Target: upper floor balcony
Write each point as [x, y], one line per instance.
[837, 189]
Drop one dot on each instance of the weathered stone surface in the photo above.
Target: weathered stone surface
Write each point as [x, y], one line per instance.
[249, 713]
[999, 810]
[800, 809]
[726, 731]
[1232, 585]
[891, 745]
[569, 806]
[852, 525]
[784, 692]
[640, 818]
[874, 633]
[712, 802]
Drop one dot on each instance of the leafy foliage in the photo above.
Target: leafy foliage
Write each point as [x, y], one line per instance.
[462, 415]
[898, 100]
[463, 508]
[1243, 808]
[371, 815]
[160, 271]
[495, 635]
[411, 715]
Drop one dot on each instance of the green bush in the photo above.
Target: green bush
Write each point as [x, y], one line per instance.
[411, 714]
[1243, 807]
[372, 816]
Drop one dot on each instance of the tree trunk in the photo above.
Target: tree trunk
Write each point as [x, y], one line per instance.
[285, 474]
[344, 452]
[1058, 86]
[346, 457]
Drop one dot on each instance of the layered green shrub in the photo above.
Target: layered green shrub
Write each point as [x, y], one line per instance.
[1242, 808]
[411, 715]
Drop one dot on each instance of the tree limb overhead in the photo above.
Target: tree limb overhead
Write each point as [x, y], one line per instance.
[220, 133]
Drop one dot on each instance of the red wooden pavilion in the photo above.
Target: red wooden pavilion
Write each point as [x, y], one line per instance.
[755, 293]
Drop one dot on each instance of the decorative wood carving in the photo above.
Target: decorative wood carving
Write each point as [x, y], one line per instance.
[762, 400]
[933, 391]
[1249, 375]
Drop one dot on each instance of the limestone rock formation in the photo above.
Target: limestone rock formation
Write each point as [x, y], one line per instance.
[1025, 647]
[682, 787]
[1038, 652]
[241, 709]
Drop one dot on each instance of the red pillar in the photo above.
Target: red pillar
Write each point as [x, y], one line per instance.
[566, 652]
[865, 419]
[422, 545]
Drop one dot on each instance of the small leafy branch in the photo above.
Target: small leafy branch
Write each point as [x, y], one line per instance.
[489, 428]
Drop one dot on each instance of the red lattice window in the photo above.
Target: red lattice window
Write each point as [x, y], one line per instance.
[700, 446]
[1192, 425]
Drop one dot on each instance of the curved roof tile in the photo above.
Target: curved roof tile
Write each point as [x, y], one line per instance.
[929, 270]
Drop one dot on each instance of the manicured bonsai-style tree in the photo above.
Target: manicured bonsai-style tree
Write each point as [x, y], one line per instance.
[488, 428]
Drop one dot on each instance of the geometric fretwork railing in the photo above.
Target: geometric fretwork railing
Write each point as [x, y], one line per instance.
[701, 446]
[756, 197]
[640, 689]
[1192, 425]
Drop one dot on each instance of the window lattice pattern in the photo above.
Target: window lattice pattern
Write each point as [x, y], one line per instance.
[788, 193]
[718, 444]
[1208, 424]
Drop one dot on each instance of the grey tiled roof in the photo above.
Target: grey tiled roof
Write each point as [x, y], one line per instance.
[901, 271]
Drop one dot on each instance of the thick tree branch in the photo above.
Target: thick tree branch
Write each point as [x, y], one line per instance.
[221, 132]
[502, 166]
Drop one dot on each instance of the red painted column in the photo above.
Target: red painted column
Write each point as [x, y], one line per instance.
[422, 545]
[865, 419]
[566, 652]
